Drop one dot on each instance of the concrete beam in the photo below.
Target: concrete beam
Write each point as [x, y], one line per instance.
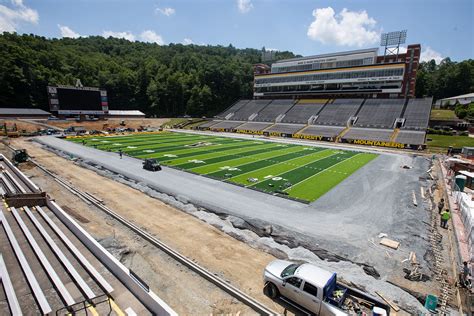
[54, 277]
[9, 290]
[29, 275]
[60, 255]
[85, 263]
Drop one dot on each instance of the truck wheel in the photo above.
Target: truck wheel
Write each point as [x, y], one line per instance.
[273, 290]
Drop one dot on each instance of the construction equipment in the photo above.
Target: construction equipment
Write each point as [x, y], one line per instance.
[151, 164]
[19, 156]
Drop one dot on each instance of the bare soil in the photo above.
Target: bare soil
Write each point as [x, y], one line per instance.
[187, 293]
[89, 125]
[20, 125]
[111, 123]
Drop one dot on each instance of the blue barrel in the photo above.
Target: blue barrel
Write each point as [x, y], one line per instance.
[431, 303]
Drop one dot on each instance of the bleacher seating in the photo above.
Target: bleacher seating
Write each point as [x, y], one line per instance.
[232, 109]
[208, 124]
[329, 118]
[254, 126]
[252, 107]
[286, 128]
[302, 111]
[338, 112]
[417, 113]
[411, 137]
[376, 134]
[273, 110]
[226, 124]
[380, 113]
[321, 130]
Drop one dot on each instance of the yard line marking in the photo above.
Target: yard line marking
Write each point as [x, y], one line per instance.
[347, 159]
[276, 162]
[240, 153]
[297, 167]
[265, 159]
[227, 152]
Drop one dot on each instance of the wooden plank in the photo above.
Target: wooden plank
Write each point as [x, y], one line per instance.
[392, 304]
[389, 243]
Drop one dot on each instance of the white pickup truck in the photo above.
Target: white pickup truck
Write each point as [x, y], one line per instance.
[317, 290]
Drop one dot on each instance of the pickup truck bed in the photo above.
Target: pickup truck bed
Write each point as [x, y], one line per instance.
[353, 301]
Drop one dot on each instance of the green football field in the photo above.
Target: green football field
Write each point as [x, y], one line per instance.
[295, 171]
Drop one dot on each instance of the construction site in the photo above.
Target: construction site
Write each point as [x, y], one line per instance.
[200, 248]
[307, 187]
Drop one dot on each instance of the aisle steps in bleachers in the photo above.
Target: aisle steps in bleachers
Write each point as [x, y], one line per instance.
[394, 135]
[341, 134]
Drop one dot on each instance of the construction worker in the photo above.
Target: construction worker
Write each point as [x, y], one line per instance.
[465, 274]
[440, 206]
[445, 216]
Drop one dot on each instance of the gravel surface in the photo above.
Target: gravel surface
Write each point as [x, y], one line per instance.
[342, 226]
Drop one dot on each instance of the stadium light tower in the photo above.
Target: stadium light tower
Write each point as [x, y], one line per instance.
[391, 41]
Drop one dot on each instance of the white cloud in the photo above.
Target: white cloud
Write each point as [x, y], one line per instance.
[166, 11]
[151, 37]
[10, 17]
[427, 54]
[244, 6]
[125, 35]
[188, 41]
[67, 32]
[347, 28]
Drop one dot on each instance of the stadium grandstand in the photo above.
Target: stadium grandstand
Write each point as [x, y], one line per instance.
[354, 97]
[399, 123]
[359, 73]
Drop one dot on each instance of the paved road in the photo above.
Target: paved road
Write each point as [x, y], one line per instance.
[377, 198]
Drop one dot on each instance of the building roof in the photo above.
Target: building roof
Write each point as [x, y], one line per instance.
[22, 111]
[462, 96]
[126, 112]
[359, 51]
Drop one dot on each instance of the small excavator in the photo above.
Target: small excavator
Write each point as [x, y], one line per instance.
[19, 156]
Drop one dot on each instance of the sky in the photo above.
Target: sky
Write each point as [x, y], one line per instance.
[444, 28]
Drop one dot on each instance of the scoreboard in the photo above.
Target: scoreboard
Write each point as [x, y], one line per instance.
[77, 100]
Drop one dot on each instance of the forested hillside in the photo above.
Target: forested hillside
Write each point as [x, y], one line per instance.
[167, 80]
[164, 81]
[448, 79]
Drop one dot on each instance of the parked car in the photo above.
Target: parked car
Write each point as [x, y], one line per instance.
[316, 290]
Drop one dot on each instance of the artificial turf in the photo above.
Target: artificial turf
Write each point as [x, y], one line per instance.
[296, 171]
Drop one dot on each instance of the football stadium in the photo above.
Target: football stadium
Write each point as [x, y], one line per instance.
[192, 179]
[296, 171]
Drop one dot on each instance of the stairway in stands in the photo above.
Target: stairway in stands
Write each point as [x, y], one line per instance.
[301, 130]
[394, 135]
[341, 134]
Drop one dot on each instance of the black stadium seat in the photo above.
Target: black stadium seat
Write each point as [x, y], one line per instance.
[339, 112]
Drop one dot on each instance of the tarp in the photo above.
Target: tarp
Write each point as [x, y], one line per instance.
[466, 207]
